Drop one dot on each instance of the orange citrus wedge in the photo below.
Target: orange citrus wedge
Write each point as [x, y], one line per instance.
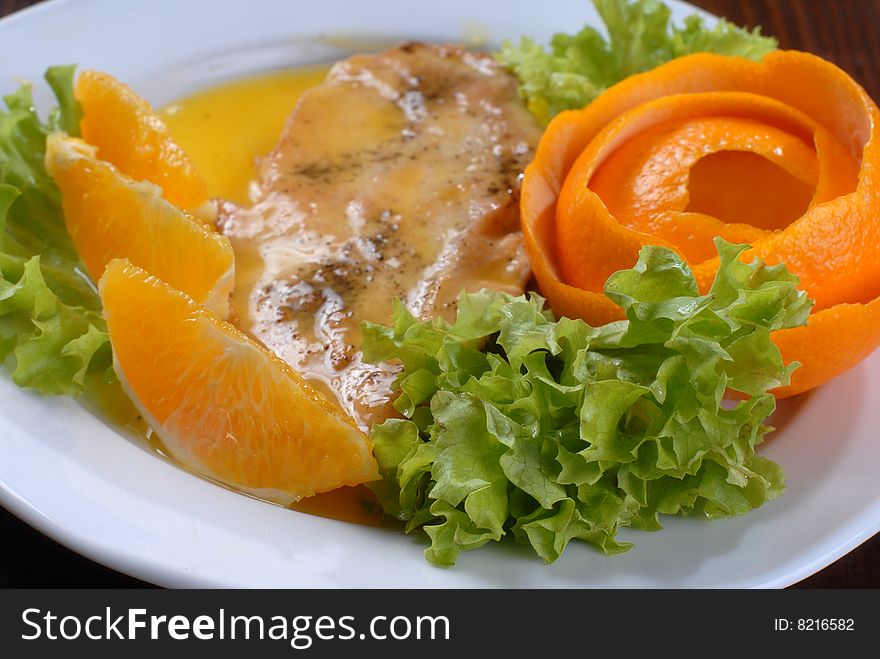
[783, 154]
[129, 135]
[109, 216]
[222, 405]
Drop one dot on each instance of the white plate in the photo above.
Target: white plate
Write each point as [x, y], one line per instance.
[75, 478]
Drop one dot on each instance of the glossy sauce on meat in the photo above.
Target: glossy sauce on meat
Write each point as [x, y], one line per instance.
[396, 177]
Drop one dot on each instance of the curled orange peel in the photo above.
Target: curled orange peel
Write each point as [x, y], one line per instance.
[781, 154]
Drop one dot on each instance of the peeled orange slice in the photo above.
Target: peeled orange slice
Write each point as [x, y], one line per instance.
[109, 216]
[221, 404]
[130, 135]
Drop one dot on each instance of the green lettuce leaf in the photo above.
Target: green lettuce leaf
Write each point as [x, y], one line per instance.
[576, 68]
[551, 430]
[50, 318]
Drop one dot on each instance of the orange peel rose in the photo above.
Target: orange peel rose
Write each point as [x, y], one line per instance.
[782, 154]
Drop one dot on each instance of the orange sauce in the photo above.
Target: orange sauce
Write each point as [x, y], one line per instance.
[225, 130]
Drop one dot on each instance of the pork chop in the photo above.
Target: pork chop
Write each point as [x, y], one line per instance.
[397, 177]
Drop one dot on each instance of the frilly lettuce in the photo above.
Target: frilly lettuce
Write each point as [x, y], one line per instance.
[50, 318]
[515, 423]
[579, 67]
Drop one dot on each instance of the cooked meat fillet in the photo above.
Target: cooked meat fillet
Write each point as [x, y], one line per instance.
[398, 176]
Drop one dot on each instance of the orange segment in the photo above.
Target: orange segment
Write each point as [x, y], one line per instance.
[221, 404]
[129, 135]
[111, 216]
[668, 157]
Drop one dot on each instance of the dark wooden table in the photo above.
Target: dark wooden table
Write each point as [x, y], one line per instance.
[843, 31]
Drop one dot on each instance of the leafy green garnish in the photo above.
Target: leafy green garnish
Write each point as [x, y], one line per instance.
[549, 430]
[577, 68]
[50, 317]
